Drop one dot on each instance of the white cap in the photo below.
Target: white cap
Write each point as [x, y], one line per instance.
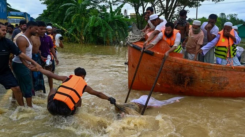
[228, 24]
[153, 16]
[48, 27]
[234, 27]
[197, 22]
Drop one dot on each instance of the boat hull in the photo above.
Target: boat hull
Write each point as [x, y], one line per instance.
[182, 76]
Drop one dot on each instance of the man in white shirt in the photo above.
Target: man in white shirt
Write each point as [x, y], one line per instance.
[210, 31]
[171, 36]
[58, 39]
[159, 24]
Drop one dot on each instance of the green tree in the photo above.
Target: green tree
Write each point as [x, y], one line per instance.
[77, 13]
[107, 27]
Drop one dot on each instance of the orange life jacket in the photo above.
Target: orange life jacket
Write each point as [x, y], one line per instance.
[170, 40]
[224, 41]
[71, 91]
[225, 46]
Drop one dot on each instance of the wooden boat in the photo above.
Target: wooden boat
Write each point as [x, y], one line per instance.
[182, 76]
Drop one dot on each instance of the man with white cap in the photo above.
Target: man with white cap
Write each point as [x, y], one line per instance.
[171, 36]
[225, 46]
[210, 31]
[194, 40]
[159, 24]
[238, 48]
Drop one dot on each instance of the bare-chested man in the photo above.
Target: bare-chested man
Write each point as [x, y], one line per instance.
[182, 25]
[37, 77]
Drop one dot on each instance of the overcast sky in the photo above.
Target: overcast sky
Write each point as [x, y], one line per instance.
[34, 7]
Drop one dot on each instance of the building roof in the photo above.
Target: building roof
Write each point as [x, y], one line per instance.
[239, 25]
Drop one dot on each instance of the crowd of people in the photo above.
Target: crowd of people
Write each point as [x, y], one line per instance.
[34, 46]
[199, 41]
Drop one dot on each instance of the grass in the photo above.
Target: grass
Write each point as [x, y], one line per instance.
[81, 49]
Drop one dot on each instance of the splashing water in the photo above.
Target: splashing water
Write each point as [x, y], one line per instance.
[191, 117]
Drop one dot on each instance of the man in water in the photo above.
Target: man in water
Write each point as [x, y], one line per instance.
[194, 41]
[7, 78]
[9, 32]
[182, 25]
[210, 31]
[46, 49]
[171, 36]
[22, 29]
[50, 34]
[20, 68]
[58, 39]
[37, 77]
[225, 46]
[159, 24]
[67, 97]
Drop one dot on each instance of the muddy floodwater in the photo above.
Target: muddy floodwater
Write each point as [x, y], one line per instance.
[106, 72]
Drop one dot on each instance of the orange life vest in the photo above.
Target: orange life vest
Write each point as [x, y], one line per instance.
[71, 91]
[225, 46]
[170, 40]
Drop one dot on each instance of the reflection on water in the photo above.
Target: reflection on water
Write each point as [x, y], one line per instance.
[191, 117]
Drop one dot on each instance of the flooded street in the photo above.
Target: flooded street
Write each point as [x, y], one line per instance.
[106, 72]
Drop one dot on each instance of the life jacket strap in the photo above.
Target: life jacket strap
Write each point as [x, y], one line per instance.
[67, 96]
[71, 90]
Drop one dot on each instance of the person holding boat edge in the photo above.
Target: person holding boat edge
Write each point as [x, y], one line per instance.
[159, 24]
[171, 36]
[225, 46]
[67, 97]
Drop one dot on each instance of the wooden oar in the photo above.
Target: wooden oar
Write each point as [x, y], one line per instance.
[136, 70]
[159, 72]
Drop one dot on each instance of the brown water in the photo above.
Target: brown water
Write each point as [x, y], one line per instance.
[191, 117]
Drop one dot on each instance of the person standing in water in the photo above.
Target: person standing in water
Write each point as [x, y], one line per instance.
[37, 77]
[67, 97]
[7, 78]
[45, 48]
[20, 68]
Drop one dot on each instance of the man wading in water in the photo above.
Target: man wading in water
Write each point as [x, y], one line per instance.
[37, 77]
[7, 78]
[67, 97]
[20, 68]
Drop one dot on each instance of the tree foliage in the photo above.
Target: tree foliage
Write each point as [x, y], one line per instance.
[108, 27]
[224, 18]
[86, 20]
